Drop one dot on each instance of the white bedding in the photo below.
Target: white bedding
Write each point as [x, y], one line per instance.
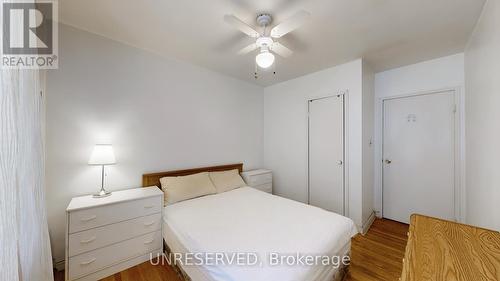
[250, 221]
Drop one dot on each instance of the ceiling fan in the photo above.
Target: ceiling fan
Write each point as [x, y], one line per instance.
[266, 41]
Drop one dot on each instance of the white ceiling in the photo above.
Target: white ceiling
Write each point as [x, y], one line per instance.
[388, 33]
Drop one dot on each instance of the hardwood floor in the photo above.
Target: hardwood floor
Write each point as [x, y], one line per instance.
[377, 256]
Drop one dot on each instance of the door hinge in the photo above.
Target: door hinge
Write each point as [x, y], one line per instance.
[455, 108]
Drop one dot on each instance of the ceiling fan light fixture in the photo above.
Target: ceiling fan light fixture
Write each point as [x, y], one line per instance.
[265, 59]
[264, 40]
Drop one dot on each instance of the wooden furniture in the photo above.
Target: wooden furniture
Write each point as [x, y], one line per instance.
[154, 178]
[444, 250]
[108, 235]
[260, 179]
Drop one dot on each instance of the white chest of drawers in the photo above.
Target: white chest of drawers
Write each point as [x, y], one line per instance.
[260, 179]
[108, 235]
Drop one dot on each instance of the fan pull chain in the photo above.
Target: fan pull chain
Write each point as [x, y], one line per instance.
[256, 74]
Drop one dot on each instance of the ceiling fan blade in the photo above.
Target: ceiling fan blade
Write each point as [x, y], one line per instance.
[281, 50]
[250, 48]
[241, 26]
[290, 24]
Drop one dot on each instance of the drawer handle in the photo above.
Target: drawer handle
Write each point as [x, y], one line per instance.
[149, 242]
[89, 218]
[88, 241]
[149, 206]
[88, 262]
[149, 223]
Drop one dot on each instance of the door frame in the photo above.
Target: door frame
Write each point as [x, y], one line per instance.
[345, 95]
[459, 148]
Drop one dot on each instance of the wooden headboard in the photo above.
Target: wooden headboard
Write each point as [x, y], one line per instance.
[154, 178]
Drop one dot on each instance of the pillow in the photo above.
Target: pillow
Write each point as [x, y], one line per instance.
[182, 188]
[227, 180]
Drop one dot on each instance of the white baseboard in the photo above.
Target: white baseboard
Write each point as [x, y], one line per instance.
[368, 223]
[59, 265]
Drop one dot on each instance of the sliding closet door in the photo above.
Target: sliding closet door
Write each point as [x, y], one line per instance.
[326, 153]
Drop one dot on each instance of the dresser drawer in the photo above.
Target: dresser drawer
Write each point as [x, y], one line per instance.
[90, 262]
[92, 239]
[108, 214]
[260, 179]
[267, 187]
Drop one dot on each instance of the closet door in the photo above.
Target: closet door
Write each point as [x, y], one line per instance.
[326, 153]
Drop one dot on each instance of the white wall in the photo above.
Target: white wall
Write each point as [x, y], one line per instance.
[285, 130]
[367, 143]
[437, 74]
[482, 70]
[159, 114]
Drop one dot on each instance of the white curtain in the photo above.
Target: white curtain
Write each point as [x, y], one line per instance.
[24, 238]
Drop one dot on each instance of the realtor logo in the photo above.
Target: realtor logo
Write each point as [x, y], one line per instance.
[29, 34]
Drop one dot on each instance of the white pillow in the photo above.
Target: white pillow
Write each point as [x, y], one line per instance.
[227, 180]
[182, 188]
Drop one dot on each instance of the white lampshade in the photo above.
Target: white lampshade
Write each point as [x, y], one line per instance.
[265, 59]
[102, 154]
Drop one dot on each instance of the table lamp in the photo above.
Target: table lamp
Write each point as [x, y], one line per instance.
[102, 155]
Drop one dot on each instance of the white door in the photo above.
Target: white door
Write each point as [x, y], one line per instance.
[326, 153]
[419, 156]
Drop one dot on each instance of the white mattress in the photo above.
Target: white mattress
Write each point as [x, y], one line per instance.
[250, 221]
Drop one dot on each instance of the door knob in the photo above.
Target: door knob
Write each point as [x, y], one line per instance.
[340, 162]
[387, 161]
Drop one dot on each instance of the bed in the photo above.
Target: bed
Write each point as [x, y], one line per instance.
[278, 232]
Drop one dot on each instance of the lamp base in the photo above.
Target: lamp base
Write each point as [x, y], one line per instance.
[101, 194]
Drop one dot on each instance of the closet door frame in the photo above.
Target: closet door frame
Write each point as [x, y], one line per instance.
[345, 95]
